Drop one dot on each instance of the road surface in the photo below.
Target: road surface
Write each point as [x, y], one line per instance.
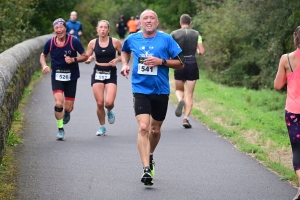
[190, 163]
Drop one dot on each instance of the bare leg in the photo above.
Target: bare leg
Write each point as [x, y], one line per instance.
[179, 89]
[59, 103]
[98, 89]
[111, 91]
[143, 138]
[154, 134]
[190, 86]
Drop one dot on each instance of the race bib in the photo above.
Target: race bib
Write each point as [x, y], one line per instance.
[102, 75]
[143, 69]
[63, 75]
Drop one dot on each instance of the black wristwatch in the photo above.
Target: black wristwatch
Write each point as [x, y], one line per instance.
[75, 60]
[164, 62]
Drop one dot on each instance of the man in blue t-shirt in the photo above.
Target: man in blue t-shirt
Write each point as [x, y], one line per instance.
[63, 49]
[154, 52]
[74, 27]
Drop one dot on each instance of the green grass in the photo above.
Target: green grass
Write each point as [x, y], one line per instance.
[252, 120]
[9, 165]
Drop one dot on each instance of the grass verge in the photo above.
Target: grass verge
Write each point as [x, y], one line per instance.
[9, 165]
[251, 120]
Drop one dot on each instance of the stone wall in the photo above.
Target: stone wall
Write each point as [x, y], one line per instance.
[17, 66]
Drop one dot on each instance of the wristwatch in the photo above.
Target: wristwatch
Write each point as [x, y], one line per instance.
[75, 60]
[164, 62]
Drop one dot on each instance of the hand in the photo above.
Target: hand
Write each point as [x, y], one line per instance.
[113, 62]
[72, 32]
[90, 59]
[125, 70]
[69, 60]
[46, 69]
[151, 61]
[79, 33]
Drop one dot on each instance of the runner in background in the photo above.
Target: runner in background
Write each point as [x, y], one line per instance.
[138, 23]
[190, 41]
[121, 28]
[74, 27]
[131, 24]
[104, 77]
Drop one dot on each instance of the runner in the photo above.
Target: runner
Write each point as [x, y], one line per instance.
[131, 24]
[190, 42]
[74, 27]
[63, 50]
[121, 28]
[138, 23]
[154, 53]
[104, 77]
[288, 73]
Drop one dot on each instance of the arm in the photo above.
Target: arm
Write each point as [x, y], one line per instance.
[280, 79]
[43, 62]
[83, 57]
[79, 48]
[200, 48]
[151, 61]
[118, 46]
[176, 63]
[80, 30]
[125, 57]
[89, 51]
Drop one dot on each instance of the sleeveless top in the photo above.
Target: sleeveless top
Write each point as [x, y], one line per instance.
[105, 55]
[187, 39]
[293, 92]
[58, 60]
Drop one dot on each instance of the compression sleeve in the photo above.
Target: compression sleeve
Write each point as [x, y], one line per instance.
[199, 39]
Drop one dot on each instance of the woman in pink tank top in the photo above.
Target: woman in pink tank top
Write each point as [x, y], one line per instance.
[289, 73]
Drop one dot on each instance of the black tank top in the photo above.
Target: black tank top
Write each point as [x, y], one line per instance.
[105, 55]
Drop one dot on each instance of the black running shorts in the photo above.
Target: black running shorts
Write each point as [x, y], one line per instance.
[68, 88]
[190, 72]
[154, 105]
[112, 77]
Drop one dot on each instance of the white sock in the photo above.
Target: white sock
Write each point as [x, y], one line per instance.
[186, 117]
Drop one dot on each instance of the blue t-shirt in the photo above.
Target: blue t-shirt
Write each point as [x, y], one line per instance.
[76, 26]
[162, 46]
[58, 63]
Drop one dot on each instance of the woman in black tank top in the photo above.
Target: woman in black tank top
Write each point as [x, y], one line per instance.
[104, 77]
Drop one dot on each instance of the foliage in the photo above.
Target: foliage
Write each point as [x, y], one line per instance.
[23, 19]
[169, 11]
[244, 39]
[14, 22]
[90, 12]
[46, 11]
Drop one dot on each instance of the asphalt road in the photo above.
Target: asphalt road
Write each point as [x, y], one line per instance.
[190, 164]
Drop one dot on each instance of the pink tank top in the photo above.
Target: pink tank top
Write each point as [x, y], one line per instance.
[293, 89]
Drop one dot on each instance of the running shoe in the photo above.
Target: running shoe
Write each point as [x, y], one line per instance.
[111, 117]
[152, 167]
[67, 117]
[178, 111]
[101, 131]
[147, 178]
[297, 197]
[186, 123]
[60, 135]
